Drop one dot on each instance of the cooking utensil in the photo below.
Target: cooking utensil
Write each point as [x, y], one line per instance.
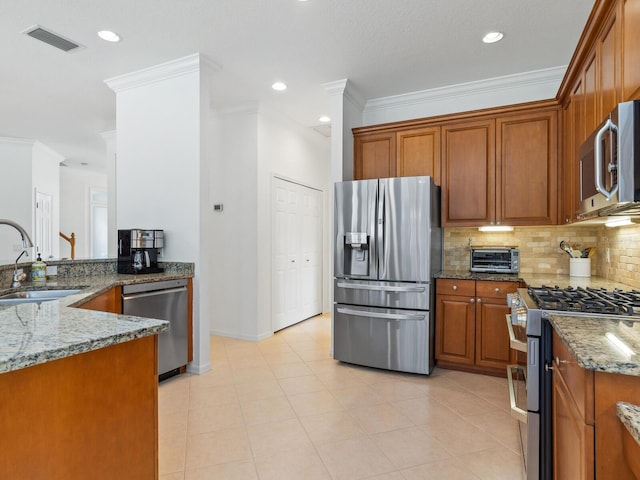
[567, 248]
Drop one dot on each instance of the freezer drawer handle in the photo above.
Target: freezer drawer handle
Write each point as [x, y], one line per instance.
[381, 288]
[387, 316]
[516, 412]
[514, 343]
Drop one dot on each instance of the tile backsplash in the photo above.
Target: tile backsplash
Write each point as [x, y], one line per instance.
[540, 249]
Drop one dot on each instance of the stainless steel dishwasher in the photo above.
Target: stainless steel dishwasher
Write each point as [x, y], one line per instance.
[166, 300]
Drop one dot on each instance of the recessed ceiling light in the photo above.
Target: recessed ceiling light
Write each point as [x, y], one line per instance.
[492, 37]
[279, 86]
[324, 119]
[109, 36]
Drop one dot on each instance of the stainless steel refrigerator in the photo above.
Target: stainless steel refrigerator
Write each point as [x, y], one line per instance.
[388, 246]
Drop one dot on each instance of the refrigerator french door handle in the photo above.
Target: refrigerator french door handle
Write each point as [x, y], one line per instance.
[379, 288]
[382, 195]
[386, 316]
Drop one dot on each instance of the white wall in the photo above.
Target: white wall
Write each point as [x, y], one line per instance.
[252, 144]
[492, 92]
[234, 234]
[301, 155]
[46, 179]
[159, 152]
[75, 208]
[16, 195]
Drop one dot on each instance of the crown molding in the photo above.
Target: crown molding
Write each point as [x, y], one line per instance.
[345, 88]
[164, 71]
[517, 81]
[17, 140]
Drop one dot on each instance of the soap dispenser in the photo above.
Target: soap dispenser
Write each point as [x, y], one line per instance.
[38, 270]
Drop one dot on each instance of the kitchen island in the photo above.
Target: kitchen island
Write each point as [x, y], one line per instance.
[79, 388]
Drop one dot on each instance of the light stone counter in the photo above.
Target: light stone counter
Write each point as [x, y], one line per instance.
[586, 339]
[34, 333]
[629, 415]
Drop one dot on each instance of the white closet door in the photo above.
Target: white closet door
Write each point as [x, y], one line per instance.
[297, 253]
[311, 254]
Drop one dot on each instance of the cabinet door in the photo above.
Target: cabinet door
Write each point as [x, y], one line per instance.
[526, 168]
[573, 439]
[468, 173]
[492, 336]
[418, 153]
[455, 329]
[630, 49]
[109, 301]
[591, 110]
[374, 156]
[609, 67]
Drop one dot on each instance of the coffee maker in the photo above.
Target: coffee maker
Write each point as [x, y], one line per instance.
[138, 250]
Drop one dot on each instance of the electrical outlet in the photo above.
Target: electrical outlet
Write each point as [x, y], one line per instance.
[607, 255]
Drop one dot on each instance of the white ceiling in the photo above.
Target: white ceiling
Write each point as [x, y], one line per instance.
[384, 47]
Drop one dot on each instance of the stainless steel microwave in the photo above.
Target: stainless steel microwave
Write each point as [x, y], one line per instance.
[495, 259]
[610, 165]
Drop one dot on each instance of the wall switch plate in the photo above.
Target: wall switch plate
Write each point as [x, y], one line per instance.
[51, 270]
[218, 207]
[608, 255]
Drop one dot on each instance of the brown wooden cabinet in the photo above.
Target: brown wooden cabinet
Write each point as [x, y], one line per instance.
[468, 173]
[92, 415]
[471, 332]
[630, 14]
[403, 152]
[527, 168]
[588, 437]
[573, 416]
[501, 170]
[109, 301]
[374, 155]
[418, 152]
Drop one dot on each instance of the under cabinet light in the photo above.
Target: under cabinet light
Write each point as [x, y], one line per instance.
[496, 228]
[619, 222]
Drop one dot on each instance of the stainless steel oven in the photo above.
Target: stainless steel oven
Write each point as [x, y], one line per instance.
[530, 383]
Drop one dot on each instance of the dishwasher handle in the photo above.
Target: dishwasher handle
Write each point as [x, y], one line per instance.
[153, 293]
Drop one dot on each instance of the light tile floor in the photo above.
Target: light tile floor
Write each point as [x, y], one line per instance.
[283, 409]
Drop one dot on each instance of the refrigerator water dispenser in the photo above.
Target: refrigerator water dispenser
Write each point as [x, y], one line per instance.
[356, 253]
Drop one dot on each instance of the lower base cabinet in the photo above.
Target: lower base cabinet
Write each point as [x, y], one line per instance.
[88, 416]
[588, 437]
[470, 332]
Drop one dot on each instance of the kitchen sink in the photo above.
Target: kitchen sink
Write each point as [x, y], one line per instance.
[29, 296]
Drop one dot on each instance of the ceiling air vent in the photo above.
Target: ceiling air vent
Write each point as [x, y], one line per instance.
[53, 39]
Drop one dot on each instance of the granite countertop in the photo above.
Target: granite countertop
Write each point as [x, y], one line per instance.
[629, 415]
[586, 339]
[467, 275]
[34, 333]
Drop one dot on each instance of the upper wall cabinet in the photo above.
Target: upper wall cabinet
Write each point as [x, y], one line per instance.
[630, 11]
[374, 155]
[397, 153]
[418, 153]
[468, 173]
[501, 171]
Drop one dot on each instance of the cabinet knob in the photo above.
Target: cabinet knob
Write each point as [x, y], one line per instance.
[455, 287]
[496, 290]
[479, 300]
[560, 362]
[472, 300]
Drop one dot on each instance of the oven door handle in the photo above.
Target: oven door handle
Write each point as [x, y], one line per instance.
[514, 343]
[516, 412]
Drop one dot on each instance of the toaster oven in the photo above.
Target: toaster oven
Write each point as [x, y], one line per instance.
[495, 259]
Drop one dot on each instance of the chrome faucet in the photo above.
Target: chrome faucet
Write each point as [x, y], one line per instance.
[26, 243]
[18, 278]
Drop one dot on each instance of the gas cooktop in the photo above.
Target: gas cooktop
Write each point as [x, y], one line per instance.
[587, 300]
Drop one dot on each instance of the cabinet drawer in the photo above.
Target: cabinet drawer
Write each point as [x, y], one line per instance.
[491, 289]
[452, 286]
[579, 381]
